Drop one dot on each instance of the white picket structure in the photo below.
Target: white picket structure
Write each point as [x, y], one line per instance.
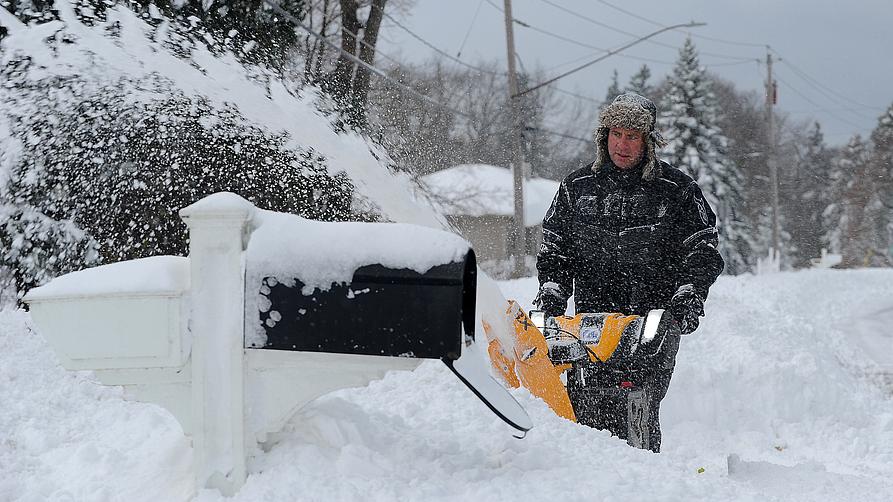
[183, 348]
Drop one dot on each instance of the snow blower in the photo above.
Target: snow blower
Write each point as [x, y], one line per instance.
[592, 368]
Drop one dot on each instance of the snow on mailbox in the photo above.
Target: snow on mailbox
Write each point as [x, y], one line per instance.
[86, 314]
[269, 312]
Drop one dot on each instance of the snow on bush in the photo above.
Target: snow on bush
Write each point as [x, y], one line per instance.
[111, 121]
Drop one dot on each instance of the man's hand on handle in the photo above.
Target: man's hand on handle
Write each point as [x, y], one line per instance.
[550, 300]
[686, 306]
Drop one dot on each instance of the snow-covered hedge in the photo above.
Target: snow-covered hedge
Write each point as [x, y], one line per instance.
[96, 158]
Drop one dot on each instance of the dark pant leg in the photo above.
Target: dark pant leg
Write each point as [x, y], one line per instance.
[657, 389]
[593, 413]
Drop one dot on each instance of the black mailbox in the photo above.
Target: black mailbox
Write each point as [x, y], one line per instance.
[382, 312]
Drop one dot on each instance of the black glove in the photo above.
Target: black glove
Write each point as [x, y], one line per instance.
[550, 300]
[686, 306]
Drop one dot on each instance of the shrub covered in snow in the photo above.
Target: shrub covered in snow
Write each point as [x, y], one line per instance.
[94, 167]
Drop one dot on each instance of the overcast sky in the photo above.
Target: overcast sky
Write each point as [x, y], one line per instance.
[836, 57]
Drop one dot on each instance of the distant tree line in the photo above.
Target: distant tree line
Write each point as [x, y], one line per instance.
[836, 199]
[96, 181]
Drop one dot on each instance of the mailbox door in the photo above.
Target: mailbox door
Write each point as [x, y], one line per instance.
[473, 369]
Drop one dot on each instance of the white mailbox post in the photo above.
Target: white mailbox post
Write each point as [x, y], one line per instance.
[172, 331]
[217, 230]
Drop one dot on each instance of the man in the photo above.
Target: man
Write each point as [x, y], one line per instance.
[630, 233]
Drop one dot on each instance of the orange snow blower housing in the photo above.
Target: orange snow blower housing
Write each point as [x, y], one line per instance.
[609, 350]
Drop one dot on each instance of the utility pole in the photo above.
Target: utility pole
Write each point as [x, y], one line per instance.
[517, 234]
[771, 99]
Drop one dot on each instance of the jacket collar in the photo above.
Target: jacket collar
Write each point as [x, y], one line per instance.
[623, 177]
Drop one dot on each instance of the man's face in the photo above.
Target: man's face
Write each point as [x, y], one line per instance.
[625, 147]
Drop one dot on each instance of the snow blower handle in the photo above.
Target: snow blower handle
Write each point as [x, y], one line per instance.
[600, 337]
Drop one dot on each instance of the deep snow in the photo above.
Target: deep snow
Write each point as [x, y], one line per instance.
[776, 385]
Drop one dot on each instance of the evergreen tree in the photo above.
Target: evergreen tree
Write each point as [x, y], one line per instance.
[638, 83]
[689, 121]
[882, 175]
[613, 89]
[802, 190]
[762, 239]
[839, 214]
[853, 220]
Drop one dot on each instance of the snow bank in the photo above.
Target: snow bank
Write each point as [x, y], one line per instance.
[65, 437]
[774, 377]
[772, 384]
[779, 372]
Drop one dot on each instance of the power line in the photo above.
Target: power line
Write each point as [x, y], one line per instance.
[818, 85]
[825, 91]
[571, 40]
[838, 117]
[708, 65]
[556, 133]
[274, 4]
[834, 100]
[470, 26]
[615, 51]
[439, 51]
[730, 42]
[651, 21]
[592, 55]
[561, 37]
[359, 39]
[800, 73]
[632, 14]
[578, 96]
[585, 18]
[547, 33]
[812, 110]
[732, 63]
[634, 35]
[470, 66]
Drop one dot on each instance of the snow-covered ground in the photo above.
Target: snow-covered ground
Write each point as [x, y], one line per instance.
[776, 397]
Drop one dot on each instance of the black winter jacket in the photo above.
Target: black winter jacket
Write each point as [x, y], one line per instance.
[623, 244]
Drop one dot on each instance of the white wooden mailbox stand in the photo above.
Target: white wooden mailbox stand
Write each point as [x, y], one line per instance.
[171, 331]
[180, 344]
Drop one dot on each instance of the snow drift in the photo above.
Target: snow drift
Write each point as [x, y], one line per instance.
[773, 399]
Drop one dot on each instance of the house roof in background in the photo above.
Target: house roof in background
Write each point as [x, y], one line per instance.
[483, 189]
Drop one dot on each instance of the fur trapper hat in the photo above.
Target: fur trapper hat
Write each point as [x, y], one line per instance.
[630, 111]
